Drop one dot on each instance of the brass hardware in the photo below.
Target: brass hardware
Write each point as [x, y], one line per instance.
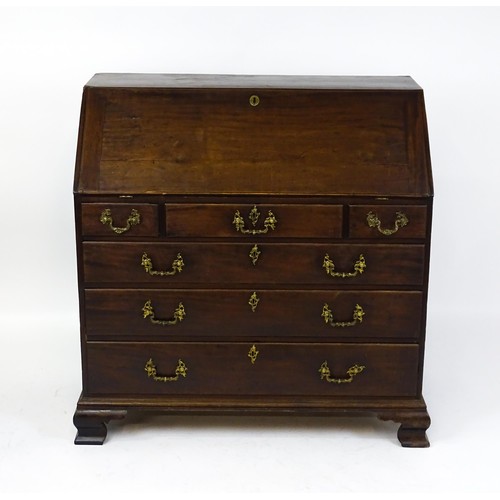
[351, 372]
[179, 315]
[270, 222]
[254, 254]
[150, 369]
[133, 219]
[254, 100]
[373, 221]
[177, 266]
[253, 353]
[359, 267]
[357, 317]
[253, 301]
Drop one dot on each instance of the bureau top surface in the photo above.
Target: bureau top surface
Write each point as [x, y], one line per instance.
[255, 135]
[145, 80]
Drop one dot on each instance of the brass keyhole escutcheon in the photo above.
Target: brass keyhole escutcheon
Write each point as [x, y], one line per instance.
[254, 254]
[253, 301]
[253, 353]
[254, 100]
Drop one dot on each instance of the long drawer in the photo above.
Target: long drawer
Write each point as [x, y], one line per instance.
[185, 314]
[147, 368]
[324, 264]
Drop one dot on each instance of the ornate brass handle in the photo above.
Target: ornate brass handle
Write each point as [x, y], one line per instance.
[150, 369]
[133, 219]
[401, 221]
[179, 315]
[329, 266]
[270, 222]
[177, 266]
[357, 316]
[351, 372]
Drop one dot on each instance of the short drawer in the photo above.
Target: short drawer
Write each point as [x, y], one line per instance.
[119, 219]
[175, 264]
[149, 368]
[387, 221]
[251, 221]
[187, 314]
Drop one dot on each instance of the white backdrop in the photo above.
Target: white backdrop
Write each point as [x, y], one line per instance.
[47, 55]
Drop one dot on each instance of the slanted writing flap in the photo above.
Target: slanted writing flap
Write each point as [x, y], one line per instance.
[208, 140]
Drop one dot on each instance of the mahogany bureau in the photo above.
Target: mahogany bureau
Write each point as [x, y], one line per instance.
[253, 245]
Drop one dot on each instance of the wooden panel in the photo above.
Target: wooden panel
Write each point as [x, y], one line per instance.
[278, 263]
[227, 313]
[89, 141]
[387, 215]
[120, 213]
[194, 141]
[225, 368]
[298, 221]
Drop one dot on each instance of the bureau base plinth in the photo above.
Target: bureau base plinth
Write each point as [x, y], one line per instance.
[94, 413]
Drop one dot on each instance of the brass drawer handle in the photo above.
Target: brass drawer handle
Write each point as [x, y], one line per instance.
[150, 369]
[359, 267]
[133, 219]
[351, 372]
[401, 221]
[357, 317]
[270, 222]
[177, 266]
[179, 315]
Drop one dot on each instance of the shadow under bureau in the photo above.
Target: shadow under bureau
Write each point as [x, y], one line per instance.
[253, 245]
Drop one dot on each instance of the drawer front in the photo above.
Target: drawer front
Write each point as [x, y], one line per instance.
[226, 368]
[277, 221]
[325, 315]
[120, 220]
[387, 221]
[251, 263]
